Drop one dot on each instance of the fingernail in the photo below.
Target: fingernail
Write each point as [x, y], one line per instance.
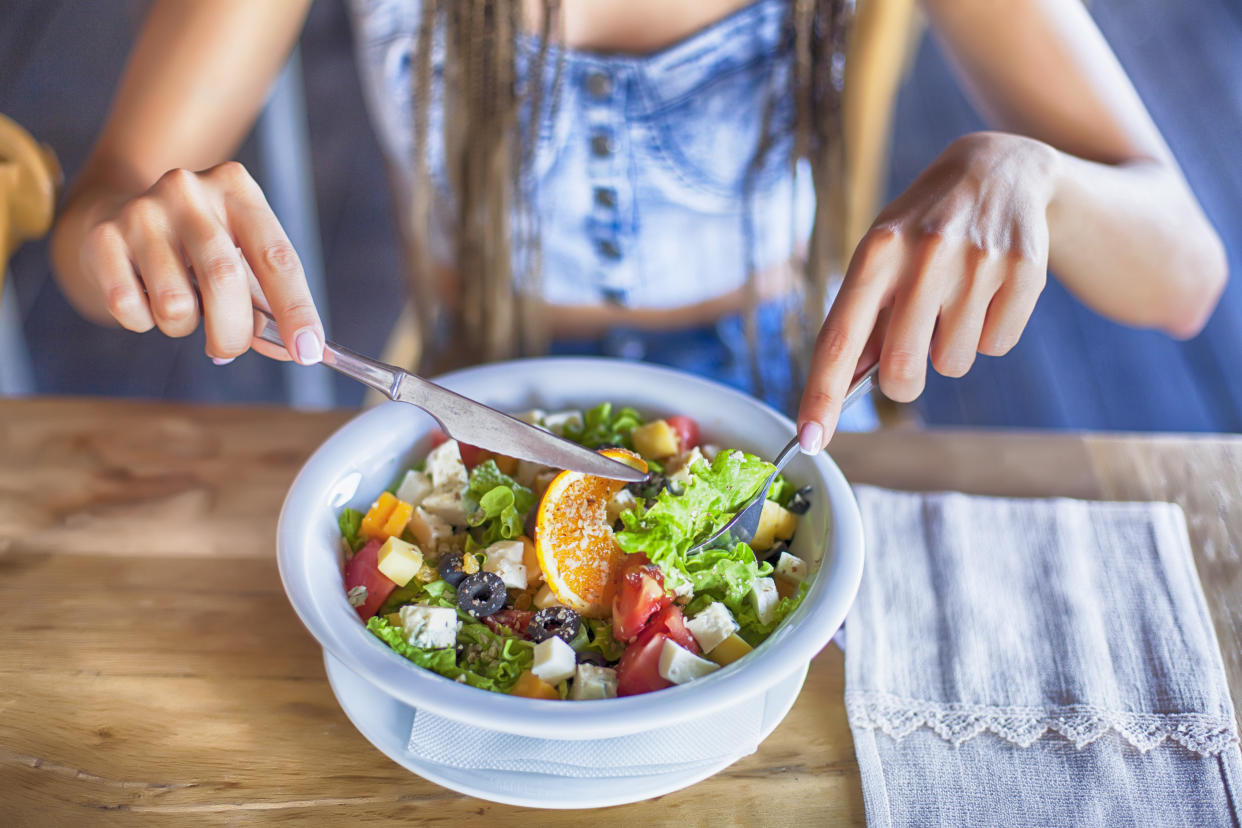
[810, 436]
[219, 361]
[309, 348]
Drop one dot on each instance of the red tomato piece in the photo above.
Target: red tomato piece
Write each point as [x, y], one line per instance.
[639, 668]
[671, 622]
[640, 595]
[514, 619]
[437, 437]
[472, 456]
[362, 570]
[687, 431]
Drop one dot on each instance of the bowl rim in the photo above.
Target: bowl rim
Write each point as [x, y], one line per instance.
[829, 597]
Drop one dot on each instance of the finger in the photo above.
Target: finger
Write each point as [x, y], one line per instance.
[106, 258]
[222, 279]
[843, 338]
[956, 341]
[1012, 306]
[903, 357]
[169, 291]
[275, 264]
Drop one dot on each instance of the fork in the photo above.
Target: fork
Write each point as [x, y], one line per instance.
[742, 526]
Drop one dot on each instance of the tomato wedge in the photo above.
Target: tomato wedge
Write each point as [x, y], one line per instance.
[639, 668]
[671, 622]
[687, 431]
[640, 595]
[362, 570]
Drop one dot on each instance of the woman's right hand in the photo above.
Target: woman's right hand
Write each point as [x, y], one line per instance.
[202, 243]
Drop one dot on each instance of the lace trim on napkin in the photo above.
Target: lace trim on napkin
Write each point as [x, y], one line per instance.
[1081, 724]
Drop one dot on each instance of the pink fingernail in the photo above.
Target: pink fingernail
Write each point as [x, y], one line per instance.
[219, 361]
[309, 348]
[810, 437]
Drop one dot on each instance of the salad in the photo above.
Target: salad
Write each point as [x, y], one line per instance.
[517, 578]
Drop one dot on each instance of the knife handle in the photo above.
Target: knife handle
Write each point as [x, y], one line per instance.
[378, 375]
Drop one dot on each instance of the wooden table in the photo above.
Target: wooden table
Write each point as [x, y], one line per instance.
[152, 672]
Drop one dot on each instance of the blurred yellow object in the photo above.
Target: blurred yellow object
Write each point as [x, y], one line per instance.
[30, 178]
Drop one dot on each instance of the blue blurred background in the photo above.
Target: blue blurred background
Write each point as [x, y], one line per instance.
[60, 60]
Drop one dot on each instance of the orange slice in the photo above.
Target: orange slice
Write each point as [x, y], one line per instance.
[574, 544]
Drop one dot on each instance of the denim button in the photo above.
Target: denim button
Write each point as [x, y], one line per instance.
[601, 144]
[608, 249]
[599, 84]
[605, 197]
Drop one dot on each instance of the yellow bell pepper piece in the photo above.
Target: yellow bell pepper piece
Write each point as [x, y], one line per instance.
[372, 525]
[397, 519]
[533, 687]
[386, 518]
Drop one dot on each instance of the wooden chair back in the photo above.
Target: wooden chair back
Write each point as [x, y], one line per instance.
[30, 178]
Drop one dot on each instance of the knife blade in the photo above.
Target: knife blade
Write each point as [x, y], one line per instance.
[462, 418]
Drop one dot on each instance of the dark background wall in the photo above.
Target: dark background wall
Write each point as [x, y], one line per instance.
[60, 60]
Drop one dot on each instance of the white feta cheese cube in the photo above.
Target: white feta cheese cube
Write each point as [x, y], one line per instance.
[622, 501]
[790, 568]
[445, 468]
[505, 559]
[557, 421]
[545, 598]
[763, 598]
[554, 660]
[429, 530]
[513, 574]
[711, 626]
[678, 468]
[508, 550]
[534, 416]
[710, 450]
[414, 487]
[681, 587]
[543, 479]
[593, 682]
[432, 628]
[679, 665]
[446, 505]
[527, 472]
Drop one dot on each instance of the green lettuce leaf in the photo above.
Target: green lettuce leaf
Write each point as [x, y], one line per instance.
[595, 635]
[781, 491]
[349, 522]
[482, 659]
[601, 427]
[670, 526]
[495, 504]
[438, 593]
[753, 631]
[727, 573]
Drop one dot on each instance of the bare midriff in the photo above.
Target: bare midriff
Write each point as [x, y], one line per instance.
[633, 27]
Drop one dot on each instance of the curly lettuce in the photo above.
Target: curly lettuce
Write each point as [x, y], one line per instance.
[495, 504]
[482, 658]
[601, 427]
[669, 527]
[350, 521]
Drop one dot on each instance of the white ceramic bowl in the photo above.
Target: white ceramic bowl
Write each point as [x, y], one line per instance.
[365, 455]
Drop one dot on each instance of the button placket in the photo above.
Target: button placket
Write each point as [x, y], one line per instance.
[603, 96]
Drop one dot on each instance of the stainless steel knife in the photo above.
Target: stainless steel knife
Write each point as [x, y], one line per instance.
[462, 418]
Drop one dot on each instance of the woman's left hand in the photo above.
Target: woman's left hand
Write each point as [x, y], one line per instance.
[949, 269]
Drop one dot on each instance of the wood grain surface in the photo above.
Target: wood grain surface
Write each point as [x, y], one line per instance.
[154, 674]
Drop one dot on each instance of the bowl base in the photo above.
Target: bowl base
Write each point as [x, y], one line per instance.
[386, 723]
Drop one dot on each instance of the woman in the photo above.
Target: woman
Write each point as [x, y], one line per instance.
[628, 165]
